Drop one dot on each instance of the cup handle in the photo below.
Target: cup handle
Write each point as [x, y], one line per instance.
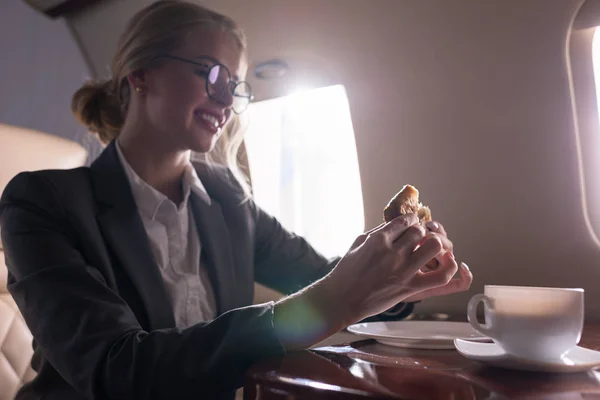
[472, 314]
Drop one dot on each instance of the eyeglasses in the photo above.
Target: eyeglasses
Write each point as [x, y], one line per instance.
[219, 85]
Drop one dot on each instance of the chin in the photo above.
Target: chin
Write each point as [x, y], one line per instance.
[197, 147]
[203, 142]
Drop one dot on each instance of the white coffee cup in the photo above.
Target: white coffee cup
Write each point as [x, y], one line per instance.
[530, 322]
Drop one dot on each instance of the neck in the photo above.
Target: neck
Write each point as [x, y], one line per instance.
[160, 167]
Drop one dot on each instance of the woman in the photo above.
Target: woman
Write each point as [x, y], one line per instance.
[136, 275]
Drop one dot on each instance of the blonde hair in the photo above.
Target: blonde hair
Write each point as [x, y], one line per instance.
[157, 29]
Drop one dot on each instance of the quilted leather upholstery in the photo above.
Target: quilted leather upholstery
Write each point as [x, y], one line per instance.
[15, 343]
[24, 150]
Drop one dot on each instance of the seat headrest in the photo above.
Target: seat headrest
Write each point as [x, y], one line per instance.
[24, 149]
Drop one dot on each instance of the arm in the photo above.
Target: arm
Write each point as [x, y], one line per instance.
[284, 261]
[90, 335]
[287, 263]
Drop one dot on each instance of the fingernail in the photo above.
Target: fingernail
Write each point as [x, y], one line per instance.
[434, 226]
[465, 266]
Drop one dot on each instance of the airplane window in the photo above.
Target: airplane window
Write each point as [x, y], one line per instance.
[596, 62]
[587, 129]
[304, 166]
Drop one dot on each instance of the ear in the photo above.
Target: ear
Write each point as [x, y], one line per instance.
[137, 79]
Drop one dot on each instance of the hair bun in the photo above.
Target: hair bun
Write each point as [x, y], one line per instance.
[97, 107]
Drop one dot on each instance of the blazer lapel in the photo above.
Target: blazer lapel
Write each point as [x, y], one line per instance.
[124, 231]
[216, 243]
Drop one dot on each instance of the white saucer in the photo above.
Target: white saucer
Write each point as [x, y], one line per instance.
[577, 359]
[417, 334]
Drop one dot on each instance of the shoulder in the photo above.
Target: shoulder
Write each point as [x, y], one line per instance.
[45, 189]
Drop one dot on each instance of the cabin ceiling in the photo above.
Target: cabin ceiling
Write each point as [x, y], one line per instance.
[323, 42]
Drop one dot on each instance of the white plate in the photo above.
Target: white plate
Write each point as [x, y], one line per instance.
[577, 359]
[417, 334]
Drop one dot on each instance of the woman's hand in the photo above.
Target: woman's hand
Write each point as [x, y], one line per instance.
[459, 284]
[438, 229]
[383, 267]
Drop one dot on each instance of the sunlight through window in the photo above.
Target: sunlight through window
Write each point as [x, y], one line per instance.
[586, 133]
[596, 62]
[304, 166]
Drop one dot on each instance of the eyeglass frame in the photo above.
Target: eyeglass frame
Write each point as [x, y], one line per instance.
[209, 67]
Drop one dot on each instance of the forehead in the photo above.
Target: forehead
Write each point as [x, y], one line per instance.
[218, 45]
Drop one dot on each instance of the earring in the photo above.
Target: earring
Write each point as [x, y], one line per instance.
[139, 89]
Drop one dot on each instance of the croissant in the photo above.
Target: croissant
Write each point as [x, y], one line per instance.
[406, 201]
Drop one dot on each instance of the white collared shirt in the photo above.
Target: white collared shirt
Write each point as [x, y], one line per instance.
[175, 244]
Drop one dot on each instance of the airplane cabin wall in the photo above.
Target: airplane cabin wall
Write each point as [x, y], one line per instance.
[41, 68]
[468, 100]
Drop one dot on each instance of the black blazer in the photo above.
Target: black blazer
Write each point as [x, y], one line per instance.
[82, 273]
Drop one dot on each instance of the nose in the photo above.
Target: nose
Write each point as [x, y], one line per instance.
[225, 97]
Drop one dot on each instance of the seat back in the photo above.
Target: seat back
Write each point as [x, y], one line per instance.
[15, 342]
[24, 150]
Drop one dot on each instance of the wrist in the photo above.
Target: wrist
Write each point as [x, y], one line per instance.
[308, 317]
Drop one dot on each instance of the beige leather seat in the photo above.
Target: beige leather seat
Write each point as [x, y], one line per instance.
[24, 150]
[15, 343]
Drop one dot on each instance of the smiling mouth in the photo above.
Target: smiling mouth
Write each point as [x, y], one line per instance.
[211, 119]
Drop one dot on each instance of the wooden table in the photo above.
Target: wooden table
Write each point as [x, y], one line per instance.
[368, 370]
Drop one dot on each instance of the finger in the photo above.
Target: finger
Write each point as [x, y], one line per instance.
[435, 226]
[432, 264]
[446, 243]
[462, 283]
[441, 276]
[406, 244]
[465, 277]
[396, 227]
[427, 251]
[376, 228]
